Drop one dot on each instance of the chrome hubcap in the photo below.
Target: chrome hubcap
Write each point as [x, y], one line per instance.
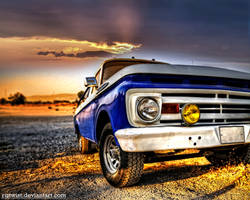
[111, 154]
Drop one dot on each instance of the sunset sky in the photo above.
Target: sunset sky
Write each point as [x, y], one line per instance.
[48, 47]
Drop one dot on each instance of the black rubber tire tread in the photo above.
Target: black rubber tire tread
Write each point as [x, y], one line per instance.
[132, 173]
[131, 167]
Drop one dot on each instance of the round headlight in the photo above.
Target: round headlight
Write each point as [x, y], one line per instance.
[190, 114]
[148, 109]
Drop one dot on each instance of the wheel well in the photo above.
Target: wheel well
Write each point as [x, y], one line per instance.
[103, 119]
[77, 131]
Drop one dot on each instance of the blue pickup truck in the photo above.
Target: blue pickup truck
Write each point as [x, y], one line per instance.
[136, 111]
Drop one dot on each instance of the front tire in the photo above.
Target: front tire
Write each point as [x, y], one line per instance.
[120, 168]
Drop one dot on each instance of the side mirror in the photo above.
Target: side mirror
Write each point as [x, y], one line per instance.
[90, 82]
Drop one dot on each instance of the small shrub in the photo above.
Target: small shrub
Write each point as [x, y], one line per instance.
[17, 98]
[3, 101]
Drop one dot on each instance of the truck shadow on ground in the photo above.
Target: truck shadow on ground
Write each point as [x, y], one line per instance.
[21, 161]
[79, 174]
[52, 179]
[172, 174]
[88, 165]
[216, 193]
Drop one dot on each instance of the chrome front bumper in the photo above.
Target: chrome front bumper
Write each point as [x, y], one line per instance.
[164, 138]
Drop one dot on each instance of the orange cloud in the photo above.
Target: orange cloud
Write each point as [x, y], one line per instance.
[71, 45]
[115, 48]
[25, 50]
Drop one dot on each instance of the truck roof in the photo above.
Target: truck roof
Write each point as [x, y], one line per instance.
[156, 67]
[135, 60]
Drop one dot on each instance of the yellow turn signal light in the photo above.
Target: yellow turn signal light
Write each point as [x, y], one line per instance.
[190, 114]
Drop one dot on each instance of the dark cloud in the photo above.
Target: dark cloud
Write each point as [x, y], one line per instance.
[217, 28]
[84, 54]
[93, 54]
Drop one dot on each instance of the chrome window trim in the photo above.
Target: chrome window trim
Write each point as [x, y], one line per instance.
[99, 70]
[85, 103]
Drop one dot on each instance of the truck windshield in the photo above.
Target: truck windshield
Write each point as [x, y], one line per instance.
[112, 67]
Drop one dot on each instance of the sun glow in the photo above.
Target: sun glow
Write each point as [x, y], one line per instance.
[28, 54]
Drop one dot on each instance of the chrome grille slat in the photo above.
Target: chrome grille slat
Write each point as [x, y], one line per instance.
[221, 107]
[224, 116]
[200, 100]
[204, 123]
[209, 108]
[235, 109]
[171, 117]
[208, 116]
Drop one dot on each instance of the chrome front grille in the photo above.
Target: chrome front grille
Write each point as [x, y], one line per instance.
[216, 106]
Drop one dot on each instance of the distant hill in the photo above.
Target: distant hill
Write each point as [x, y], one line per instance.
[67, 97]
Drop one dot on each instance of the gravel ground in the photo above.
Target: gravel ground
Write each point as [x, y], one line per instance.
[38, 155]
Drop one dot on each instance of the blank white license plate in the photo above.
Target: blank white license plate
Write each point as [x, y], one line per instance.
[232, 134]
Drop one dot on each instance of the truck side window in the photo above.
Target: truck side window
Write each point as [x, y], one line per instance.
[84, 96]
[110, 68]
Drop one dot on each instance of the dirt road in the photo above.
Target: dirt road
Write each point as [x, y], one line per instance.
[38, 155]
